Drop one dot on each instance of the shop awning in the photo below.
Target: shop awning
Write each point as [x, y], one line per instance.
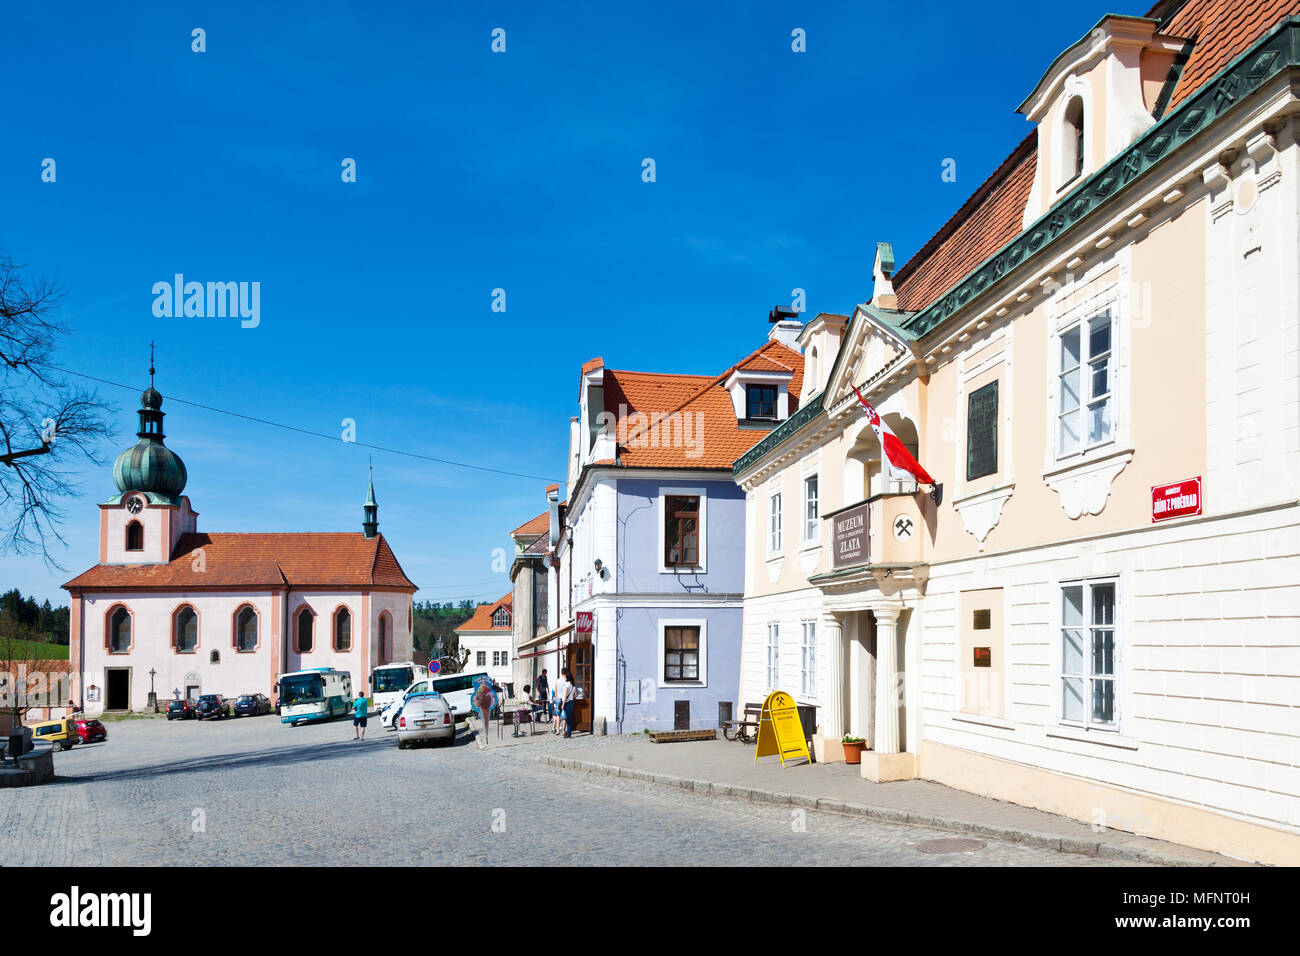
[543, 638]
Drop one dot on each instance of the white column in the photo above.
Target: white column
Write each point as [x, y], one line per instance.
[833, 713]
[886, 736]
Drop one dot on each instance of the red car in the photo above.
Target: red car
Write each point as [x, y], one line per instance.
[91, 731]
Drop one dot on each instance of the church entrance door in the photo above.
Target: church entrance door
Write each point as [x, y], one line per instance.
[118, 696]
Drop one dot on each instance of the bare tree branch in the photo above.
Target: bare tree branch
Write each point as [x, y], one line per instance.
[48, 425]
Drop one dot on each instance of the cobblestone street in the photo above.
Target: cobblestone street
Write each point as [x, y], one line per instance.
[255, 792]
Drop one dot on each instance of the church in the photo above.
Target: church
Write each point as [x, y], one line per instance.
[176, 612]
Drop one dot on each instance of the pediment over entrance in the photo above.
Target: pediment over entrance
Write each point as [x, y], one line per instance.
[872, 346]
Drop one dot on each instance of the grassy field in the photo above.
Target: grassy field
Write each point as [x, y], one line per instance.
[48, 652]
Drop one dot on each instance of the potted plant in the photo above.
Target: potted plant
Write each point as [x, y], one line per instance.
[853, 747]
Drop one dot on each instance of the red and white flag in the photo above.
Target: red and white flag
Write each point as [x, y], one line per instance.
[898, 462]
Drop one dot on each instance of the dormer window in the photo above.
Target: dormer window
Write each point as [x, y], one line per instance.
[501, 617]
[760, 402]
[1072, 140]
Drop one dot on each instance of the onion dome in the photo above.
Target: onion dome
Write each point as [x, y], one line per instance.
[149, 465]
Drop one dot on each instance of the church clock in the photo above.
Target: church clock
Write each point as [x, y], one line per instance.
[134, 504]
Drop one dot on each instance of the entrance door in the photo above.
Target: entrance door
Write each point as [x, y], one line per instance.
[581, 659]
[118, 694]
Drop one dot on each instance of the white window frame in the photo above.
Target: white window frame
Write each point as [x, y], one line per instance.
[703, 527]
[480, 658]
[1087, 398]
[1116, 677]
[811, 524]
[775, 505]
[808, 659]
[772, 664]
[703, 625]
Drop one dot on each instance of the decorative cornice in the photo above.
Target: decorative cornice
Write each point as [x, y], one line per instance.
[1277, 51]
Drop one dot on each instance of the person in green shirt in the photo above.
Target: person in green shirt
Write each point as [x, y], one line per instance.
[360, 707]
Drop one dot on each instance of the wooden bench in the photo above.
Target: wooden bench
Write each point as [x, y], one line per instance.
[673, 736]
[745, 730]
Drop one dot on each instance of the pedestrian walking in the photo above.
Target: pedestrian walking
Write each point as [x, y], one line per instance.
[360, 708]
[570, 695]
[544, 691]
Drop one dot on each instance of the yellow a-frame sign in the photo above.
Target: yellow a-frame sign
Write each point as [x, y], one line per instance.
[779, 730]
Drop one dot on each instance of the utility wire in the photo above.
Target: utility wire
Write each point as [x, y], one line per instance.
[307, 431]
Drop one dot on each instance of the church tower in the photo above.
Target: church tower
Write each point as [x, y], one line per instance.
[141, 523]
[370, 526]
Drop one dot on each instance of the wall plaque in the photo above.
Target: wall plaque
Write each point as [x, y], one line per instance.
[982, 619]
[983, 657]
[850, 537]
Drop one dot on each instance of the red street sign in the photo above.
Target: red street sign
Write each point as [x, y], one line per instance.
[584, 622]
[1179, 500]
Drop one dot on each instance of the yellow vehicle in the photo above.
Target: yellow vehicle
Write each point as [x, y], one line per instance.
[62, 733]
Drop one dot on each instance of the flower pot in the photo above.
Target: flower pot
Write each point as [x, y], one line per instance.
[853, 751]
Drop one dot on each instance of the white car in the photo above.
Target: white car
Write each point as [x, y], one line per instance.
[425, 716]
[457, 688]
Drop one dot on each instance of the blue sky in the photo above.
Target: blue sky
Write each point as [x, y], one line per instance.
[476, 170]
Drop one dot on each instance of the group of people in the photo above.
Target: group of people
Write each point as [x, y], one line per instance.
[557, 704]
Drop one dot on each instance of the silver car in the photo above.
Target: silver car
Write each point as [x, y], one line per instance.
[425, 716]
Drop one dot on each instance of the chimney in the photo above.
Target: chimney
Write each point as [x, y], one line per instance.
[882, 272]
[785, 326]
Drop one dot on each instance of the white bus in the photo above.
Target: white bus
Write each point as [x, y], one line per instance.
[318, 693]
[388, 682]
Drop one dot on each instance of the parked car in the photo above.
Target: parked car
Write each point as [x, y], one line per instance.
[425, 716]
[457, 688]
[62, 733]
[91, 731]
[277, 705]
[181, 710]
[252, 705]
[212, 705]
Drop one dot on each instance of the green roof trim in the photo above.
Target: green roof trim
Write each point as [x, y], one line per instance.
[894, 321]
[1273, 53]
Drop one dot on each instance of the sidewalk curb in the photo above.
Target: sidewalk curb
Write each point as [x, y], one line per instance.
[1084, 847]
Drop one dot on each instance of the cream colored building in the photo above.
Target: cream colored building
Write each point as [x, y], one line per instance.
[1099, 360]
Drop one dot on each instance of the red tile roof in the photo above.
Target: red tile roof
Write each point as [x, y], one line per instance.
[1222, 30]
[481, 619]
[994, 214]
[762, 363]
[533, 526]
[593, 364]
[260, 560]
[722, 440]
[987, 221]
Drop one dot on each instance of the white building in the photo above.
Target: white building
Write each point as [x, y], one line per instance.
[489, 637]
[184, 613]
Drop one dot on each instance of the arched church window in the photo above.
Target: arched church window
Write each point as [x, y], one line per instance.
[119, 631]
[246, 629]
[135, 536]
[342, 630]
[186, 630]
[306, 630]
[383, 639]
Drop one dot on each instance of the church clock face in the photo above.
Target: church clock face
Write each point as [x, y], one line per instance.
[134, 504]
